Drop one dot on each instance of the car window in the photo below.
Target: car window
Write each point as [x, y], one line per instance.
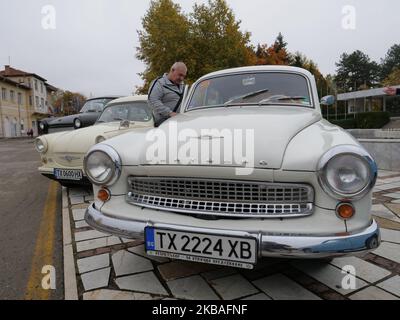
[258, 88]
[132, 111]
[95, 105]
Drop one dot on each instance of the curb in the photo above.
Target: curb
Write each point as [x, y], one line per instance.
[70, 285]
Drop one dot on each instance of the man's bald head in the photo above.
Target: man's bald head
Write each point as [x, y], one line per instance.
[178, 72]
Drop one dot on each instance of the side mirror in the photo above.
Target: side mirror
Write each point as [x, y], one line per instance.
[327, 100]
[124, 124]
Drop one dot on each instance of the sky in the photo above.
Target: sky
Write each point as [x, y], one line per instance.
[89, 46]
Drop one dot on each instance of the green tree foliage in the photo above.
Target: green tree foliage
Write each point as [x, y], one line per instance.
[392, 79]
[163, 40]
[391, 62]
[217, 41]
[207, 40]
[355, 71]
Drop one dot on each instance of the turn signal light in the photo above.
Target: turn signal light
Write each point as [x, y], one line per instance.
[345, 211]
[103, 194]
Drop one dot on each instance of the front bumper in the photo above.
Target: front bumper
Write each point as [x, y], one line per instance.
[270, 245]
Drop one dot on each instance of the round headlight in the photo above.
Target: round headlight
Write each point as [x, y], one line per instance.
[347, 172]
[77, 123]
[100, 139]
[102, 165]
[41, 125]
[40, 145]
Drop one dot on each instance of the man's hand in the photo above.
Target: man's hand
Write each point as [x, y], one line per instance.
[173, 114]
[390, 91]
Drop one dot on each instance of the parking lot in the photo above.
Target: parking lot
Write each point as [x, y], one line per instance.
[99, 266]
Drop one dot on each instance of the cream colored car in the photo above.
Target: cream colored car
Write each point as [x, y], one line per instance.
[248, 169]
[62, 153]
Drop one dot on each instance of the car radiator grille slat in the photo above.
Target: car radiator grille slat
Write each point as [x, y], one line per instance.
[221, 197]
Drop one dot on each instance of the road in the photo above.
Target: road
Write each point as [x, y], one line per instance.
[30, 224]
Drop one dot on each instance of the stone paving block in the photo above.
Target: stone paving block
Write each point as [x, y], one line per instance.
[141, 252]
[180, 269]
[91, 234]
[381, 211]
[392, 285]
[394, 207]
[143, 282]
[74, 192]
[233, 287]
[89, 198]
[389, 251]
[93, 263]
[81, 224]
[364, 270]
[280, 287]
[192, 288]
[76, 200]
[96, 279]
[97, 243]
[372, 293]
[106, 294]
[219, 273]
[125, 263]
[258, 296]
[390, 235]
[78, 214]
[328, 275]
[395, 195]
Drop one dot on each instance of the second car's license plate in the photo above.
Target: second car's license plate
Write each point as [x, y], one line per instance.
[207, 248]
[67, 174]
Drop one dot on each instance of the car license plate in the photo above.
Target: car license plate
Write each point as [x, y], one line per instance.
[231, 251]
[67, 174]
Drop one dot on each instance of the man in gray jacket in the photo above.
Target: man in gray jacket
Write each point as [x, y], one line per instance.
[166, 93]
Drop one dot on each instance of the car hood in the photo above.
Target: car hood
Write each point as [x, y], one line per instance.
[272, 127]
[80, 141]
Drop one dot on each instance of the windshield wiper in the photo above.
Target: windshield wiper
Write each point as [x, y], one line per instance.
[246, 96]
[280, 98]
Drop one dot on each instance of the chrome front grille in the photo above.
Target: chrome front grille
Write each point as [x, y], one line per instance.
[221, 197]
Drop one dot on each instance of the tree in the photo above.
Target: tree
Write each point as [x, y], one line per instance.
[68, 102]
[163, 40]
[217, 41]
[276, 54]
[207, 40]
[355, 70]
[391, 61]
[392, 79]
[301, 61]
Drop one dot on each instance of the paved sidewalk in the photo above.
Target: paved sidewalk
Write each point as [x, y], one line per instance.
[109, 267]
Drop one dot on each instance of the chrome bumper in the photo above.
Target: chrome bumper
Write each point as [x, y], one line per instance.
[270, 245]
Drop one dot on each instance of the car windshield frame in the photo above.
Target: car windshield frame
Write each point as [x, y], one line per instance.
[245, 103]
[110, 105]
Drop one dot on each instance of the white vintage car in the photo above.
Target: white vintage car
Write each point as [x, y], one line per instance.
[62, 153]
[247, 169]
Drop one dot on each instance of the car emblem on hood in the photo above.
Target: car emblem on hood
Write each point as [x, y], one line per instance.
[70, 158]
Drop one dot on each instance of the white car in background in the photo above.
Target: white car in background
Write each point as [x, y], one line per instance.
[305, 192]
[62, 153]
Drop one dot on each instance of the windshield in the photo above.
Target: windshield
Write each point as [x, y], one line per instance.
[95, 105]
[132, 111]
[258, 88]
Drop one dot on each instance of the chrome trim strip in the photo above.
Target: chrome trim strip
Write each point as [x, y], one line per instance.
[217, 207]
[271, 245]
[226, 198]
